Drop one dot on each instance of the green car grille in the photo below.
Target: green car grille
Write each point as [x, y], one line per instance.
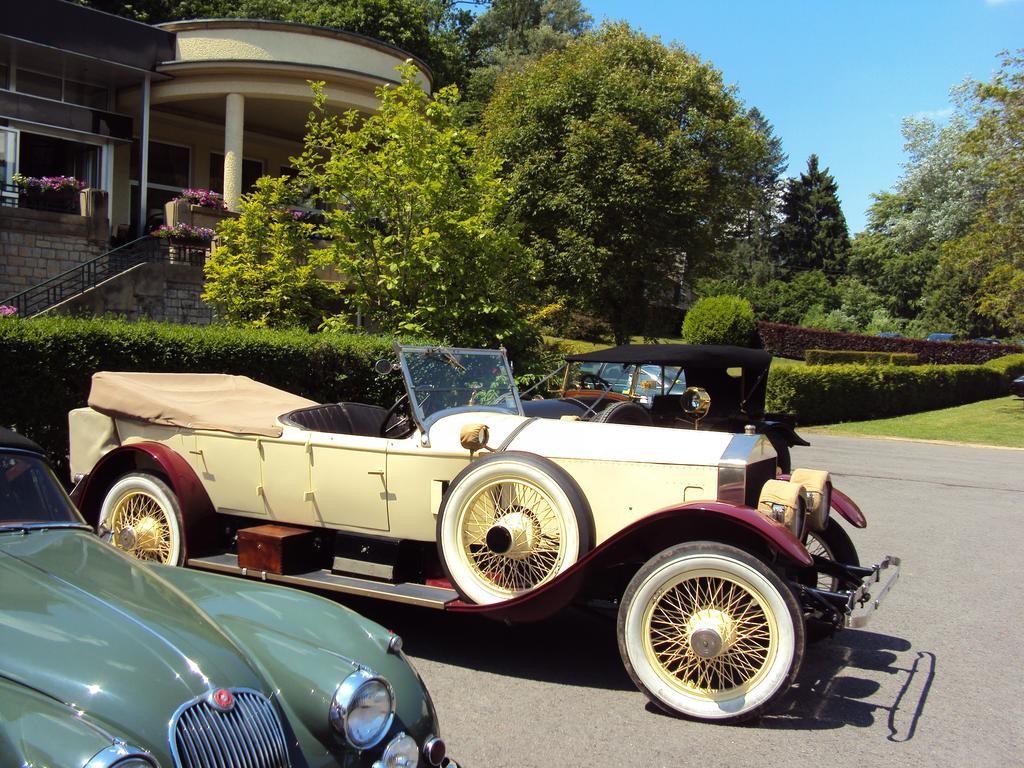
[248, 734]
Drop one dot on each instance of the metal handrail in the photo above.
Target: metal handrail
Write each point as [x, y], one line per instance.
[89, 274]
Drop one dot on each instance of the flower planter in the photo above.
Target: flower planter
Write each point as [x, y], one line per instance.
[57, 200]
[183, 212]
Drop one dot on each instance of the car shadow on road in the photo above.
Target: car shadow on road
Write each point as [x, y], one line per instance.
[837, 685]
[575, 647]
[829, 692]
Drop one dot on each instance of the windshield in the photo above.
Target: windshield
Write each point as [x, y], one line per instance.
[29, 492]
[618, 377]
[443, 380]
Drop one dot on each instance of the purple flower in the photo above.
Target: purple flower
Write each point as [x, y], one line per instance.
[204, 198]
[184, 231]
[48, 183]
[7, 310]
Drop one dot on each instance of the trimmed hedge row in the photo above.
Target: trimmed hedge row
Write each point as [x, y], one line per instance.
[839, 356]
[46, 365]
[1010, 366]
[832, 393]
[794, 341]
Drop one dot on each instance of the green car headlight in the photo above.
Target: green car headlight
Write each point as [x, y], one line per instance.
[362, 709]
[401, 752]
[120, 755]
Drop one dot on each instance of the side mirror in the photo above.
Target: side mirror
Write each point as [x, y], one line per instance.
[384, 366]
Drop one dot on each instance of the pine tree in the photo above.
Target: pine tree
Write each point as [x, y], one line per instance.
[813, 233]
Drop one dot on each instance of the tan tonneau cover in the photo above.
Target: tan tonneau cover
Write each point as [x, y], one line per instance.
[194, 400]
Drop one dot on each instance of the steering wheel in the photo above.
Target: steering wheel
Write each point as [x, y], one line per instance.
[397, 420]
[593, 381]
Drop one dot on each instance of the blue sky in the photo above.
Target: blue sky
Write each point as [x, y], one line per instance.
[837, 77]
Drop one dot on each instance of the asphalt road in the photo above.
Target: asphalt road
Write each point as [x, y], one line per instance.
[935, 680]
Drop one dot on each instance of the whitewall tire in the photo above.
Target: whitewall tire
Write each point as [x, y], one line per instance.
[509, 523]
[708, 631]
[141, 516]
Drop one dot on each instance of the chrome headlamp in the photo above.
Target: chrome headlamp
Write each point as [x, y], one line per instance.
[362, 709]
[401, 752]
[121, 755]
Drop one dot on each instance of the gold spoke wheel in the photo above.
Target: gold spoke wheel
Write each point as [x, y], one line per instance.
[509, 523]
[709, 631]
[512, 536]
[140, 515]
[717, 605]
[139, 526]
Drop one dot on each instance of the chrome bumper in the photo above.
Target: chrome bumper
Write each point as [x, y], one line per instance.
[865, 600]
[852, 607]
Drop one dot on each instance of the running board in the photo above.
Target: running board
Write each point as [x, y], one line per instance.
[412, 594]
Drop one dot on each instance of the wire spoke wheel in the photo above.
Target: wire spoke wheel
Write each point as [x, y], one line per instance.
[709, 631]
[140, 516]
[513, 536]
[722, 605]
[509, 523]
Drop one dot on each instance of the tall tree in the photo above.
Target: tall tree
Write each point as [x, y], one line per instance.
[512, 33]
[979, 282]
[813, 232]
[414, 219]
[624, 156]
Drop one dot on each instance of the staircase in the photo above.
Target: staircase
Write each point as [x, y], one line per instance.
[89, 274]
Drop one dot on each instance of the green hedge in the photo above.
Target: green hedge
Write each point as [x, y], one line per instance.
[826, 394]
[840, 356]
[1010, 366]
[46, 365]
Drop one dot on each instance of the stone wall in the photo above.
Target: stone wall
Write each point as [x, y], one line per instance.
[36, 245]
[167, 292]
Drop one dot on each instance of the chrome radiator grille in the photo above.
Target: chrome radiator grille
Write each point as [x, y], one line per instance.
[249, 735]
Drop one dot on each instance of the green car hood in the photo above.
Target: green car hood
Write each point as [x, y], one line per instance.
[84, 624]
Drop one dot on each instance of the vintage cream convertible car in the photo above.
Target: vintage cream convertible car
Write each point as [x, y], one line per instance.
[719, 569]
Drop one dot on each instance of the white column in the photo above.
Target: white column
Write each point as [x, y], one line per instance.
[144, 160]
[234, 131]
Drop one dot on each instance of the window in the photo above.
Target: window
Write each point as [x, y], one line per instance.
[5, 74]
[251, 170]
[38, 84]
[170, 168]
[41, 155]
[85, 95]
[8, 161]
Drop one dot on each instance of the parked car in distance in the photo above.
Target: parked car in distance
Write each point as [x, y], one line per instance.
[889, 335]
[453, 498]
[1017, 386]
[110, 662]
[655, 385]
[941, 337]
[985, 340]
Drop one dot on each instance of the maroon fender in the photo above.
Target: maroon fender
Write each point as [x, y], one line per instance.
[641, 541]
[845, 506]
[848, 509]
[200, 519]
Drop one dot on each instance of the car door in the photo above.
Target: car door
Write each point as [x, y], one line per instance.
[347, 481]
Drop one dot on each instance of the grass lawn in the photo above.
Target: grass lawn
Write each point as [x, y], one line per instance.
[989, 422]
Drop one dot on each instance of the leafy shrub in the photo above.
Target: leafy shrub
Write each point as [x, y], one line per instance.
[48, 365]
[825, 394]
[720, 320]
[835, 357]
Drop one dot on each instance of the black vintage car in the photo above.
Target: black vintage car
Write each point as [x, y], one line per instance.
[687, 386]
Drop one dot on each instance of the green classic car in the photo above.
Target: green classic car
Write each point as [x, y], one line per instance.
[108, 661]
